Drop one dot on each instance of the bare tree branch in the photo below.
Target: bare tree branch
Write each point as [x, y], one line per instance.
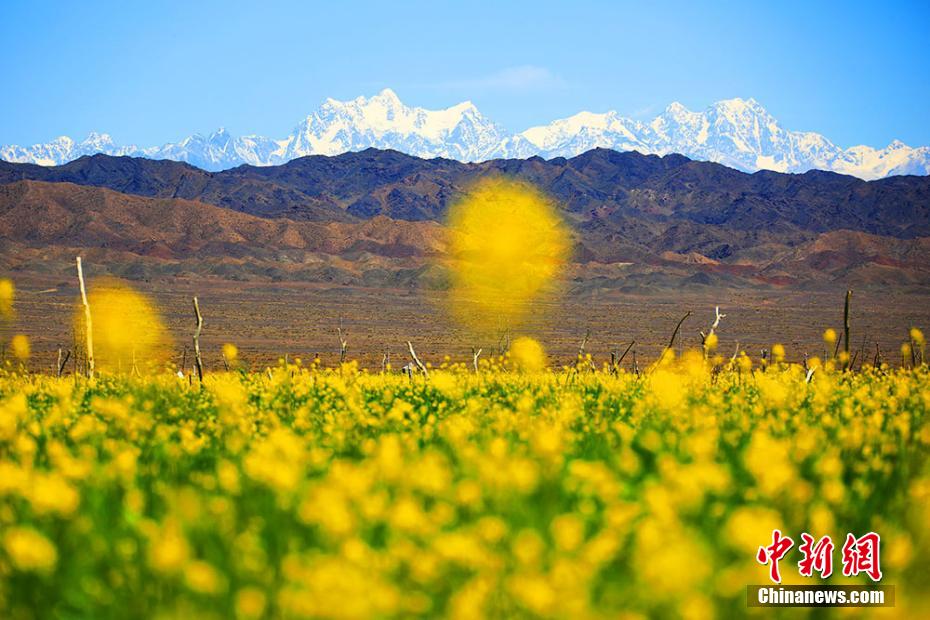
[671, 342]
[416, 360]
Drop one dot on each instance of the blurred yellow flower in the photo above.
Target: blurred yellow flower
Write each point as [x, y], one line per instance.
[527, 354]
[51, 493]
[7, 292]
[778, 353]
[508, 245]
[250, 603]
[567, 531]
[230, 352]
[20, 347]
[128, 332]
[29, 550]
[749, 527]
[169, 551]
[917, 337]
[203, 578]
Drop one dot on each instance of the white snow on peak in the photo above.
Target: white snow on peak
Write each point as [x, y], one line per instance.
[383, 121]
[736, 132]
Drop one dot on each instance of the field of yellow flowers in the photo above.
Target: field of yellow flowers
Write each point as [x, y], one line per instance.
[304, 492]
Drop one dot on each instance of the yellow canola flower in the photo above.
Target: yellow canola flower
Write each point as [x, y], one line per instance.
[528, 354]
[669, 389]
[203, 578]
[250, 603]
[29, 550]
[20, 347]
[12, 411]
[778, 353]
[748, 525]
[169, 549]
[230, 352]
[51, 493]
[128, 333]
[829, 336]
[471, 495]
[508, 245]
[567, 531]
[917, 337]
[7, 292]
[767, 459]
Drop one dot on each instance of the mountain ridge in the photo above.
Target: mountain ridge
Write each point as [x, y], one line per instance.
[599, 185]
[661, 220]
[738, 133]
[43, 224]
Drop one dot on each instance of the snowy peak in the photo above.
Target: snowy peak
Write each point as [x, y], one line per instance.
[383, 121]
[576, 134]
[735, 132]
[739, 133]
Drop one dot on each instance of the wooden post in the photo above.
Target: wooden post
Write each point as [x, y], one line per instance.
[197, 360]
[846, 329]
[88, 324]
[343, 344]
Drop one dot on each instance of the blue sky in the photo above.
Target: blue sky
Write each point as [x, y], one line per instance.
[150, 73]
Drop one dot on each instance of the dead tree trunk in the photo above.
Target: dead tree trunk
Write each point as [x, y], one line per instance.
[416, 360]
[88, 324]
[475, 354]
[199, 326]
[846, 329]
[343, 344]
[713, 329]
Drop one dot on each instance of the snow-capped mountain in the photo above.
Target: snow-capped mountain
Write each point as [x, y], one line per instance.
[735, 132]
[459, 132]
[577, 134]
[64, 149]
[220, 150]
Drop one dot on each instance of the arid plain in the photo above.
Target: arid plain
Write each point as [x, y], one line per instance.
[267, 320]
